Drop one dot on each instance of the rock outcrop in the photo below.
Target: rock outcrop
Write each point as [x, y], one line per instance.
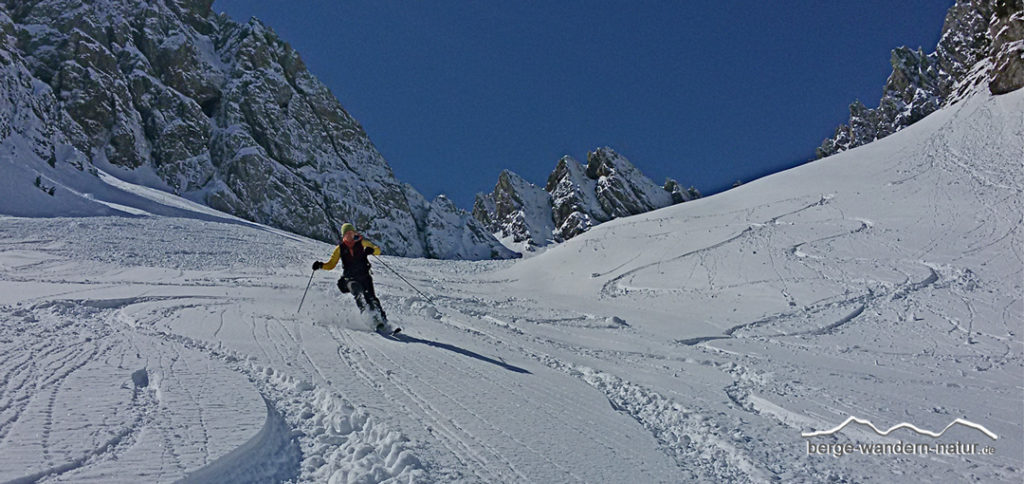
[980, 43]
[516, 209]
[574, 204]
[1007, 33]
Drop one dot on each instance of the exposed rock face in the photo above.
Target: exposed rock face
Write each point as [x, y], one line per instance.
[622, 190]
[28, 109]
[574, 199]
[964, 42]
[977, 34]
[35, 136]
[223, 113]
[678, 193]
[516, 209]
[1007, 32]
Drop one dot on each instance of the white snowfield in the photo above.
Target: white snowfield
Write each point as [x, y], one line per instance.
[691, 344]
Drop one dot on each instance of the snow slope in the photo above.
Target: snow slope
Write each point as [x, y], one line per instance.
[692, 343]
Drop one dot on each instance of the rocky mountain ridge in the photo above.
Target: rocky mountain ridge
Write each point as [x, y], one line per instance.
[169, 94]
[982, 42]
[574, 199]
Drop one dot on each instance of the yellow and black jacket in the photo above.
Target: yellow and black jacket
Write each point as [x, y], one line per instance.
[354, 258]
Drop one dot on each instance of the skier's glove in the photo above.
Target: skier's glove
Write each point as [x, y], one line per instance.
[318, 265]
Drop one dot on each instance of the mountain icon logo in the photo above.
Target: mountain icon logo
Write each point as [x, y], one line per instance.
[929, 433]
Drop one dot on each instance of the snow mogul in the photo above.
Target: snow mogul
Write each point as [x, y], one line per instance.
[354, 251]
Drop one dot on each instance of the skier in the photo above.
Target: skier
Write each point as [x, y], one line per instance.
[353, 251]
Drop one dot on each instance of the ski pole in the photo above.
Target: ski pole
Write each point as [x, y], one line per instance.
[431, 301]
[304, 292]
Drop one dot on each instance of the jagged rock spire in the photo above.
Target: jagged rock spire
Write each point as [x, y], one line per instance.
[574, 199]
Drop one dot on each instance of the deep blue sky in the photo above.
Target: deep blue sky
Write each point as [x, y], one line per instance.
[705, 92]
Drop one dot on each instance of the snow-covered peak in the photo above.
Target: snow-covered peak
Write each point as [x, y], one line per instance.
[622, 190]
[573, 199]
[453, 233]
[517, 210]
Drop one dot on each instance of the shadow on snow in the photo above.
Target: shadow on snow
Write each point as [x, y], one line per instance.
[455, 349]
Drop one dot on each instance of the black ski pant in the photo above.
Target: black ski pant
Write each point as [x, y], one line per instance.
[361, 288]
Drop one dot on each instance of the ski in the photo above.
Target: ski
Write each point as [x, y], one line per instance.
[385, 329]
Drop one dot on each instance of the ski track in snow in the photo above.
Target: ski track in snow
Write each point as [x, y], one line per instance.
[882, 283]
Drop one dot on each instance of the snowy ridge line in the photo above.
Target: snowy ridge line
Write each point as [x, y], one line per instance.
[883, 433]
